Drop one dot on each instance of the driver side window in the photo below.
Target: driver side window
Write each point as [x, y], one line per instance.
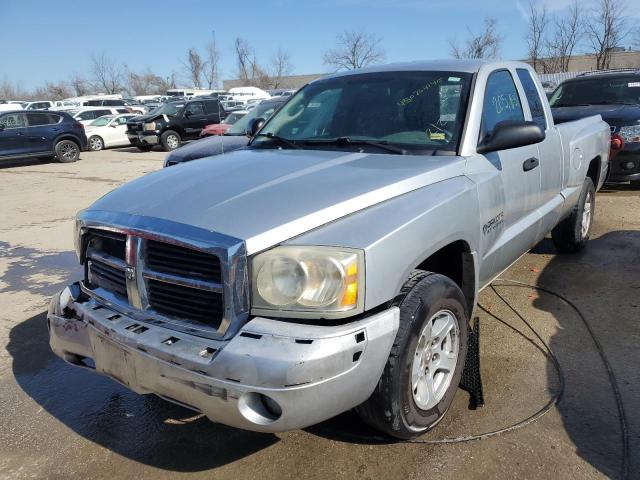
[195, 109]
[501, 102]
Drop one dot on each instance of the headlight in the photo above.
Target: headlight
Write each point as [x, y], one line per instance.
[631, 134]
[149, 126]
[308, 282]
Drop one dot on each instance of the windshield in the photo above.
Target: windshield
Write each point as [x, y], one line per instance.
[101, 122]
[597, 91]
[264, 110]
[420, 111]
[171, 109]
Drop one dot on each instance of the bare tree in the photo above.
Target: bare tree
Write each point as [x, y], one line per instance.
[211, 71]
[79, 85]
[107, 74]
[565, 34]
[280, 68]
[57, 91]
[485, 44]
[145, 83]
[194, 67]
[538, 22]
[355, 50]
[245, 59]
[11, 91]
[165, 83]
[606, 27]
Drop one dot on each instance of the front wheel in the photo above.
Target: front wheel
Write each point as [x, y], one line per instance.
[170, 140]
[572, 234]
[67, 151]
[96, 143]
[426, 361]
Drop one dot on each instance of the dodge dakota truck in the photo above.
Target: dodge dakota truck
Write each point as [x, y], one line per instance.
[334, 263]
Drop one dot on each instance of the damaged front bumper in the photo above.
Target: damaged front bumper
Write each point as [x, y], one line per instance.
[272, 376]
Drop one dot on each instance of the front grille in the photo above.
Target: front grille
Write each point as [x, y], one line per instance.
[202, 306]
[108, 243]
[134, 127]
[167, 258]
[108, 277]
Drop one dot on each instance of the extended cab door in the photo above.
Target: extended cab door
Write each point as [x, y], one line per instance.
[194, 119]
[509, 182]
[549, 153]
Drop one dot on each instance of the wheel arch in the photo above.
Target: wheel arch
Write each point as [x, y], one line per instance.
[594, 170]
[456, 261]
[67, 136]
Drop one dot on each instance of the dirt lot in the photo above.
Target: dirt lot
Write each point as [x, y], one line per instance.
[57, 421]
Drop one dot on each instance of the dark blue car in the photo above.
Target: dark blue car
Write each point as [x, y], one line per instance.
[41, 134]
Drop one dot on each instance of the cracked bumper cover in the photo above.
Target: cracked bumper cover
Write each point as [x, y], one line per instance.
[312, 373]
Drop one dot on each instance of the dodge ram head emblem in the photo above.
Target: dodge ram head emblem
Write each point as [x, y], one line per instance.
[130, 273]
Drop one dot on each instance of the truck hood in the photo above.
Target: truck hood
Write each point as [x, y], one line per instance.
[265, 197]
[614, 115]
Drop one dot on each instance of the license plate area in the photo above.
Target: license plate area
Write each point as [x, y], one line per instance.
[114, 361]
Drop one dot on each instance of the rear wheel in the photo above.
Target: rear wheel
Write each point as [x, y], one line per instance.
[67, 151]
[426, 361]
[572, 233]
[96, 143]
[170, 140]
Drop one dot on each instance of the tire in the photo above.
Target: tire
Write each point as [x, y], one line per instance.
[144, 148]
[95, 143]
[67, 151]
[397, 407]
[572, 234]
[170, 140]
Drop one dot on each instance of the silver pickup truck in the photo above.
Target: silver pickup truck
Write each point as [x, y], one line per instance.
[336, 262]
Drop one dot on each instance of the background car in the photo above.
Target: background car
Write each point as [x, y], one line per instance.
[39, 105]
[41, 134]
[87, 115]
[222, 127]
[615, 96]
[235, 138]
[108, 131]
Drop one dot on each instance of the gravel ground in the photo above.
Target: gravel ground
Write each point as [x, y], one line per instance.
[58, 421]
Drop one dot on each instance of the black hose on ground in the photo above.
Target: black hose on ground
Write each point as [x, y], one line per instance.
[548, 353]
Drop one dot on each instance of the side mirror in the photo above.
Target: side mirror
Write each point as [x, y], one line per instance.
[254, 125]
[511, 134]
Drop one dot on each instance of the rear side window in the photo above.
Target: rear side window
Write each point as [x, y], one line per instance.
[93, 103]
[13, 120]
[533, 97]
[54, 118]
[119, 110]
[213, 106]
[501, 102]
[100, 113]
[37, 119]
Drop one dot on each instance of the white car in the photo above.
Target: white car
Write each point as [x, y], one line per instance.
[108, 131]
[87, 115]
[39, 105]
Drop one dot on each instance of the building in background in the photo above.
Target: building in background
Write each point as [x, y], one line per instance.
[620, 58]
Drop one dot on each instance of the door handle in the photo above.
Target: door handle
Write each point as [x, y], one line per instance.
[530, 164]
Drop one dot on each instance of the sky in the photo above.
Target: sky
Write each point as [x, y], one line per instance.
[43, 41]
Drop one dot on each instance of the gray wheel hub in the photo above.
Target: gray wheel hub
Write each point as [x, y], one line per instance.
[95, 143]
[172, 141]
[435, 359]
[68, 150]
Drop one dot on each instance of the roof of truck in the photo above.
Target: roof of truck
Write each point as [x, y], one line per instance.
[466, 66]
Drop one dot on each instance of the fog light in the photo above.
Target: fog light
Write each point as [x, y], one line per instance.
[258, 408]
[628, 165]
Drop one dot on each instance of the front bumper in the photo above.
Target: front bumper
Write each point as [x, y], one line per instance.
[272, 376]
[143, 138]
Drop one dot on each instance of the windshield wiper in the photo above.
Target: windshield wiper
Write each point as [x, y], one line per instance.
[282, 140]
[340, 141]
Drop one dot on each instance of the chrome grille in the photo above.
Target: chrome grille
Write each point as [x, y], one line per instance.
[191, 280]
[167, 258]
